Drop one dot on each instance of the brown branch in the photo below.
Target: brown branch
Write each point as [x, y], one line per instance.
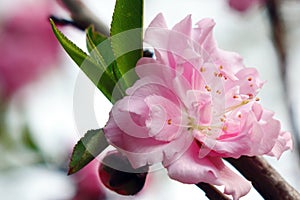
[265, 179]
[211, 192]
[279, 41]
[278, 32]
[83, 17]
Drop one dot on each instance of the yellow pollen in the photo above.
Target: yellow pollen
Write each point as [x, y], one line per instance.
[257, 99]
[202, 69]
[224, 128]
[221, 67]
[218, 92]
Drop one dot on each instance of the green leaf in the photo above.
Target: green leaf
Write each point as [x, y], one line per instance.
[99, 47]
[126, 35]
[93, 39]
[96, 71]
[28, 140]
[87, 148]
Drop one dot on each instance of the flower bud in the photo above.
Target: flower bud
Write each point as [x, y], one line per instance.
[117, 174]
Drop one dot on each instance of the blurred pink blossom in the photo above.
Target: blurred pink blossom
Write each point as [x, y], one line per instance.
[244, 5]
[28, 46]
[193, 105]
[88, 183]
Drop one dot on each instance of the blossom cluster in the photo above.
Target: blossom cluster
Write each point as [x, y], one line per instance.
[193, 105]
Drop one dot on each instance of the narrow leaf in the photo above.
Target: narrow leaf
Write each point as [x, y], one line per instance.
[93, 39]
[95, 71]
[126, 35]
[87, 148]
[100, 49]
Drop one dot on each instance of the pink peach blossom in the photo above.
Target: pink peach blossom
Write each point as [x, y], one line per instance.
[193, 105]
[88, 184]
[244, 5]
[28, 47]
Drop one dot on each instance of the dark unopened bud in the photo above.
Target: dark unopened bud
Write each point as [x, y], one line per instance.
[117, 174]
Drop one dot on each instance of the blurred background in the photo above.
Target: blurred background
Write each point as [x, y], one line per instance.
[39, 88]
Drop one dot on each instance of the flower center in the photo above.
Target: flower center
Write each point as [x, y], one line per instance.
[192, 123]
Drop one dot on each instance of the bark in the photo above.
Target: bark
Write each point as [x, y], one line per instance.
[211, 192]
[83, 17]
[265, 179]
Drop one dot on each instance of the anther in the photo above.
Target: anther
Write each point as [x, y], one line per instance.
[207, 88]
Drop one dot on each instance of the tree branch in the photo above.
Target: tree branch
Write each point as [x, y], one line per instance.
[265, 179]
[279, 41]
[83, 17]
[211, 192]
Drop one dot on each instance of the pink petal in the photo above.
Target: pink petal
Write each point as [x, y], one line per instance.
[184, 26]
[235, 185]
[124, 113]
[283, 143]
[158, 22]
[189, 168]
[164, 118]
[145, 151]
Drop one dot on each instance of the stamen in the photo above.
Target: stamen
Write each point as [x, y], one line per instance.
[249, 79]
[244, 102]
[202, 69]
[169, 121]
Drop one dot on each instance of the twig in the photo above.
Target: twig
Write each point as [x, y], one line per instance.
[83, 17]
[264, 178]
[278, 32]
[211, 192]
